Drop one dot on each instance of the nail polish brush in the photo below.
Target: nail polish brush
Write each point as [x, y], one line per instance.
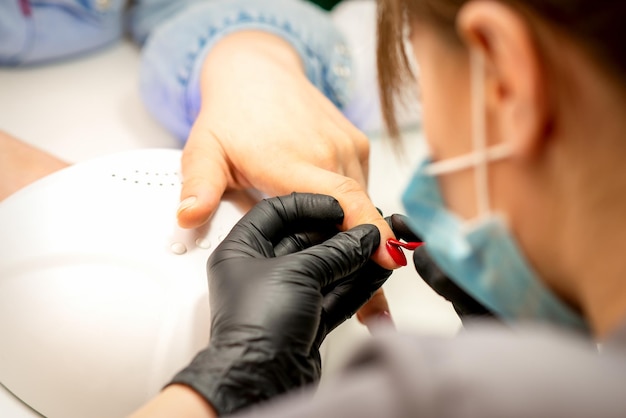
[393, 248]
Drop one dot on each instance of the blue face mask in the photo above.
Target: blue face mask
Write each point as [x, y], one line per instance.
[481, 256]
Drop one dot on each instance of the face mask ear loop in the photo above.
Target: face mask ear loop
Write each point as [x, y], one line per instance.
[479, 135]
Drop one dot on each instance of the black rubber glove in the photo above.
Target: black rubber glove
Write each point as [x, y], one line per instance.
[279, 283]
[464, 305]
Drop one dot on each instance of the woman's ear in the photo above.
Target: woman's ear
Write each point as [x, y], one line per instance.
[517, 108]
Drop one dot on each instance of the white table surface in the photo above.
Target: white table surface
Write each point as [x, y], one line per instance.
[90, 106]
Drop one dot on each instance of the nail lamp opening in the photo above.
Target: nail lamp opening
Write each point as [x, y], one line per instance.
[102, 296]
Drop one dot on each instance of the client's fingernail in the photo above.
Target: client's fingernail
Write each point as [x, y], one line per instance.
[396, 253]
[380, 323]
[385, 317]
[186, 204]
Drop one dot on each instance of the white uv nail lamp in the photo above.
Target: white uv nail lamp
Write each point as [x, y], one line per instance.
[103, 298]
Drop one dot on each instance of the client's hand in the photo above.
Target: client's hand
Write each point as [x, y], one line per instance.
[264, 125]
[279, 283]
[464, 305]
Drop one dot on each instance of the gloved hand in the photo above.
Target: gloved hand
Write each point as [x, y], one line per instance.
[464, 305]
[279, 283]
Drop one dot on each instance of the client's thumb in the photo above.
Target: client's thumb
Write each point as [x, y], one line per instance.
[205, 178]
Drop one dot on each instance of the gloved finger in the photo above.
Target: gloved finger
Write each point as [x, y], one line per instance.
[301, 240]
[352, 196]
[339, 256]
[378, 307]
[463, 303]
[205, 173]
[400, 226]
[343, 299]
[271, 220]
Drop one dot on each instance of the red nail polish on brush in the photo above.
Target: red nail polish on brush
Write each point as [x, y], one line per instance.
[393, 248]
[408, 245]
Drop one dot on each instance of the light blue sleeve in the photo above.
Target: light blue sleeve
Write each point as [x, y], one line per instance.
[176, 36]
[177, 43]
[37, 31]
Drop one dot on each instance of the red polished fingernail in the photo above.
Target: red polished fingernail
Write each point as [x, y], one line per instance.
[396, 253]
[408, 245]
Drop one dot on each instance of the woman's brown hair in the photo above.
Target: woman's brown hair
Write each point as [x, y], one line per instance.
[598, 25]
